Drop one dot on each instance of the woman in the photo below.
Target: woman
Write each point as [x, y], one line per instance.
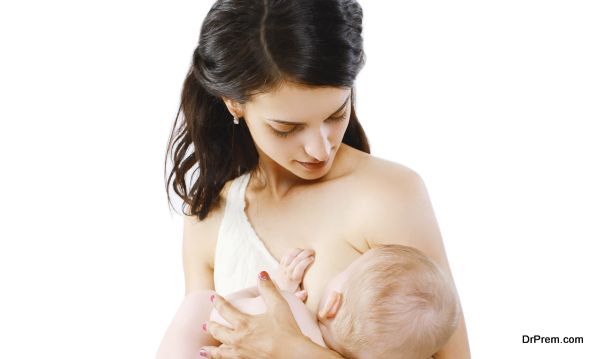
[283, 162]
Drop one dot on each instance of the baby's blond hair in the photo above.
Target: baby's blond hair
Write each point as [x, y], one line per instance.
[398, 304]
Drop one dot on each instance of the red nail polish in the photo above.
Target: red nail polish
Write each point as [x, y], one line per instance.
[204, 327]
[263, 275]
[203, 353]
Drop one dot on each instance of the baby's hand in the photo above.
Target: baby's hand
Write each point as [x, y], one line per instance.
[291, 270]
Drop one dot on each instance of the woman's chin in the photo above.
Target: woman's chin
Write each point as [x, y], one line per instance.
[303, 173]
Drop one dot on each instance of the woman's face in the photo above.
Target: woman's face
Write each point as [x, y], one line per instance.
[297, 125]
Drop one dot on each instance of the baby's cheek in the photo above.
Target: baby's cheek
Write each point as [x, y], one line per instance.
[216, 317]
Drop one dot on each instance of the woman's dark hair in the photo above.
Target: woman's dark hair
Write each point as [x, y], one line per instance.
[248, 47]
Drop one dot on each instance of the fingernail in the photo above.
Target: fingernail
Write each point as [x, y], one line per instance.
[263, 275]
[204, 327]
[203, 353]
[212, 298]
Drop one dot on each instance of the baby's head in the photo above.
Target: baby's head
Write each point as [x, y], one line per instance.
[391, 302]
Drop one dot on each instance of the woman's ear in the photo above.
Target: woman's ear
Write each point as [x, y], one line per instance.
[331, 307]
[233, 107]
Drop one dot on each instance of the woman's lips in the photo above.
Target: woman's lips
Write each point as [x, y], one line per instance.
[313, 165]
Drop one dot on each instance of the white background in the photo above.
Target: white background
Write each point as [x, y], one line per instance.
[495, 104]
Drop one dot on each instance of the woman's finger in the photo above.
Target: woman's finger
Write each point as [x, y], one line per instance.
[270, 294]
[220, 332]
[228, 311]
[221, 352]
[208, 352]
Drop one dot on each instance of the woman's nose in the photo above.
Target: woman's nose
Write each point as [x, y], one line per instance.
[318, 146]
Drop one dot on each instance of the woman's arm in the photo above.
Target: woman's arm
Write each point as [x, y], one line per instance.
[272, 335]
[457, 346]
[185, 336]
[401, 213]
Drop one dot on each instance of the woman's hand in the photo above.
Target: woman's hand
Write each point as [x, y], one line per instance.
[274, 334]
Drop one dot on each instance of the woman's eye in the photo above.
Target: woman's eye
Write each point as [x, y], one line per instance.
[279, 133]
[283, 133]
[337, 119]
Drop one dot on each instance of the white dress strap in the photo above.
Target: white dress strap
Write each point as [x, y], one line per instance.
[239, 254]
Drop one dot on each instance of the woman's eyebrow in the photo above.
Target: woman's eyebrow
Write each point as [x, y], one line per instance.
[302, 123]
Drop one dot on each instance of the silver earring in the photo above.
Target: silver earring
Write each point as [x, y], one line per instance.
[236, 120]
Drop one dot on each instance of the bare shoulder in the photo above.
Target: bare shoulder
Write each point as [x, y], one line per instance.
[206, 230]
[214, 214]
[395, 206]
[376, 176]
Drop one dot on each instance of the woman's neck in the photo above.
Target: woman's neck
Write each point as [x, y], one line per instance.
[278, 182]
[272, 178]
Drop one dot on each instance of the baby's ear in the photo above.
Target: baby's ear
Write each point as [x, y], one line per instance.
[332, 306]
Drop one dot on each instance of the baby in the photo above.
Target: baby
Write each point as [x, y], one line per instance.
[391, 302]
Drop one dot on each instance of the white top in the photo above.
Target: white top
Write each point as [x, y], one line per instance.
[239, 254]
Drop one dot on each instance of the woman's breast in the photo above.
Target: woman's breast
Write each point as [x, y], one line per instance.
[332, 256]
[328, 222]
[336, 243]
